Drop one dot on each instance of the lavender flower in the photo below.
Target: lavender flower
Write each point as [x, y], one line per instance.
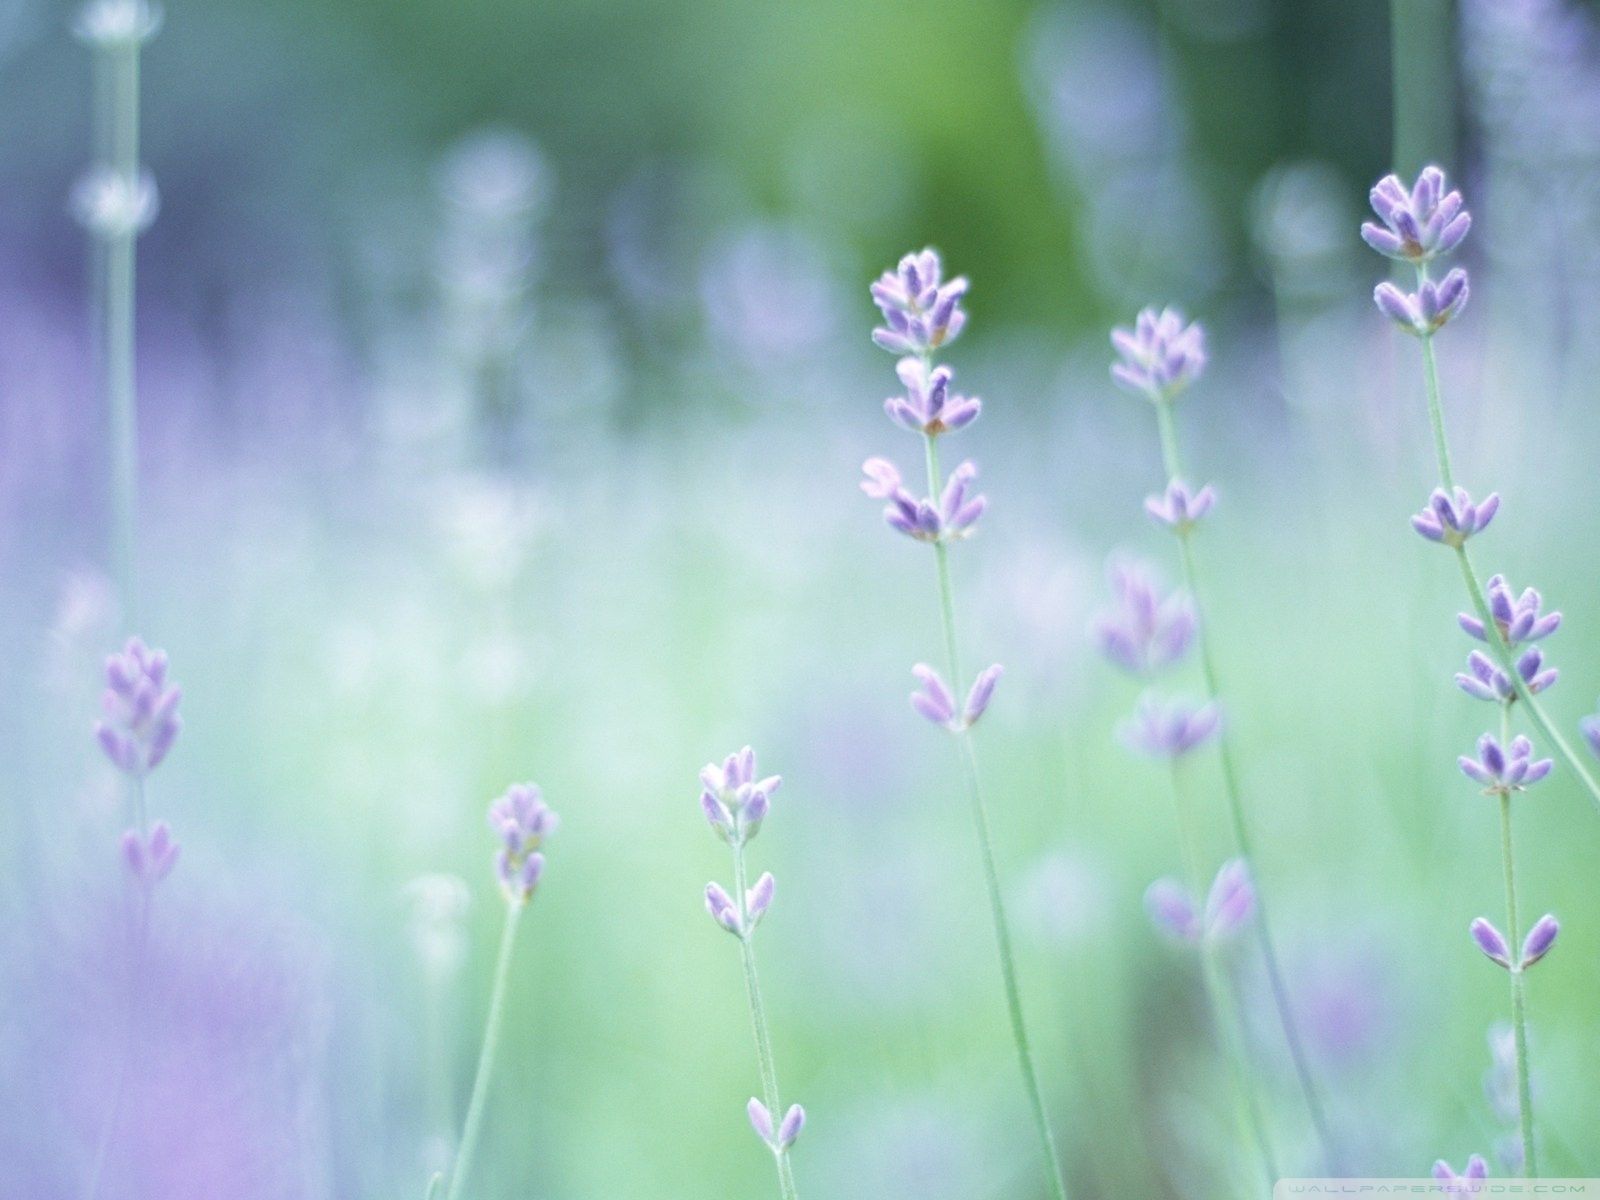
[1168, 729]
[1178, 508]
[1504, 770]
[522, 820]
[757, 899]
[1453, 519]
[1491, 941]
[1172, 910]
[141, 709]
[1145, 631]
[1419, 224]
[1519, 619]
[150, 857]
[1161, 355]
[734, 801]
[1228, 908]
[952, 517]
[920, 312]
[1486, 681]
[1467, 1181]
[1590, 728]
[788, 1129]
[929, 406]
[1539, 940]
[1427, 310]
[1500, 1081]
[935, 701]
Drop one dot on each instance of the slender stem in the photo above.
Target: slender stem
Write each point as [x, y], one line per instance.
[1480, 603]
[991, 875]
[765, 1059]
[138, 974]
[1519, 1023]
[1298, 1056]
[486, 1058]
[1225, 1016]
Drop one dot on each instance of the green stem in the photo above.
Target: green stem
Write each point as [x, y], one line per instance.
[991, 875]
[1225, 1016]
[766, 1061]
[471, 1130]
[1299, 1058]
[1519, 1023]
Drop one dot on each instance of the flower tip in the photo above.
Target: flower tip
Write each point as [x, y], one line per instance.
[1491, 941]
[760, 1119]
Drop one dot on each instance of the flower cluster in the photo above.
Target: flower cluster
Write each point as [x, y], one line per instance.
[929, 406]
[1161, 355]
[522, 820]
[734, 800]
[150, 857]
[1179, 508]
[788, 1129]
[1534, 947]
[1418, 226]
[1468, 1182]
[1228, 907]
[935, 701]
[921, 313]
[1145, 631]
[1171, 728]
[948, 518]
[1519, 619]
[1504, 769]
[141, 709]
[1485, 681]
[1452, 519]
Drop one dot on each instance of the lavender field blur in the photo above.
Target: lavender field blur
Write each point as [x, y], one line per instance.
[502, 377]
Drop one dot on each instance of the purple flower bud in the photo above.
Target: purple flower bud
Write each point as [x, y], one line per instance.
[758, 898]
[1519, 619]
[1427, 310]
[929, 405]
[1231, 901]
[1168, 729]
[722, 909]
[981, 693]
[1172, 911]
[1466, 1182]
[734, 800]
[141, 710]
[522, 821]
[1145, 631]
[1178, 508]
[760, 1120]
[1590, 727]
[717, 815]
[793, 1122]
[934, 700]
[1539, 940]
[920, 311]
[150, 859]
[1419, 224]
[1453, 519]
[1485, 681]
[1504, 769]
[950, 518]
[1491, 941]
[1161, 355]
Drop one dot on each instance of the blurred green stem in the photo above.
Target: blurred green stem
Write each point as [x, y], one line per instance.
[765, 1059]
[471, 1130]
[136, 991]
[1519, 1016]
[1173, 464]
[991, 877]
[1493, 634]
[1421, 52]
[1224, 1014]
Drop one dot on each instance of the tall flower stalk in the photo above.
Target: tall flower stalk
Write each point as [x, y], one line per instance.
[1159, 358]
[522, 821]
[922, 314]
[735, 803]
[1419, 225]
[116, 200]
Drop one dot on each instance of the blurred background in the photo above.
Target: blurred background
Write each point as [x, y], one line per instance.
[504, 380]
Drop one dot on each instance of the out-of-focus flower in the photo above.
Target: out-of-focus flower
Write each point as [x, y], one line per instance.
[952, 517]
[111, 204]
[1500, 1081]
[734, 801]
[1144, 632]
[1453, 519]
[112, 23]
[770, 295]
[1503, 770]
[1161, 355]
[757, 899]
[1229, 905]
[1590, 728]
[929, 406]
[1539, 940]
[496, 174]
[1420, 223]
[141, 709]
[1491, 941]
[522, 820]
[1171, 728]
[935, 701]
[1467, 1182]
[920, 311]
[150, 857]
[1519, 619]
[437, 921]
[1426, 310]
[1485, 681]
[788, 1129]
[1178, 508]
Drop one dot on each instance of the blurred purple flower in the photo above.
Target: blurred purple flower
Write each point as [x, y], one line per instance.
[1144, 632]
[1172, 910]
[788, 1129]
[1539, 940]
[141, 709]
[1503, 770]
[1519, 619]
[929, 406]
[1485, 681]
[734, 801]
[522, 820]
[1452, 520]
[951, 518]
[1419, 224]
[1161, 355]
[935, 701]
[1229, 905]
[1467, 1182]
[151, 857]
[1178, 508]
[1491, 941]
[1590, 728]
[920, 311]
[1427, 310]
[1170, 728]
